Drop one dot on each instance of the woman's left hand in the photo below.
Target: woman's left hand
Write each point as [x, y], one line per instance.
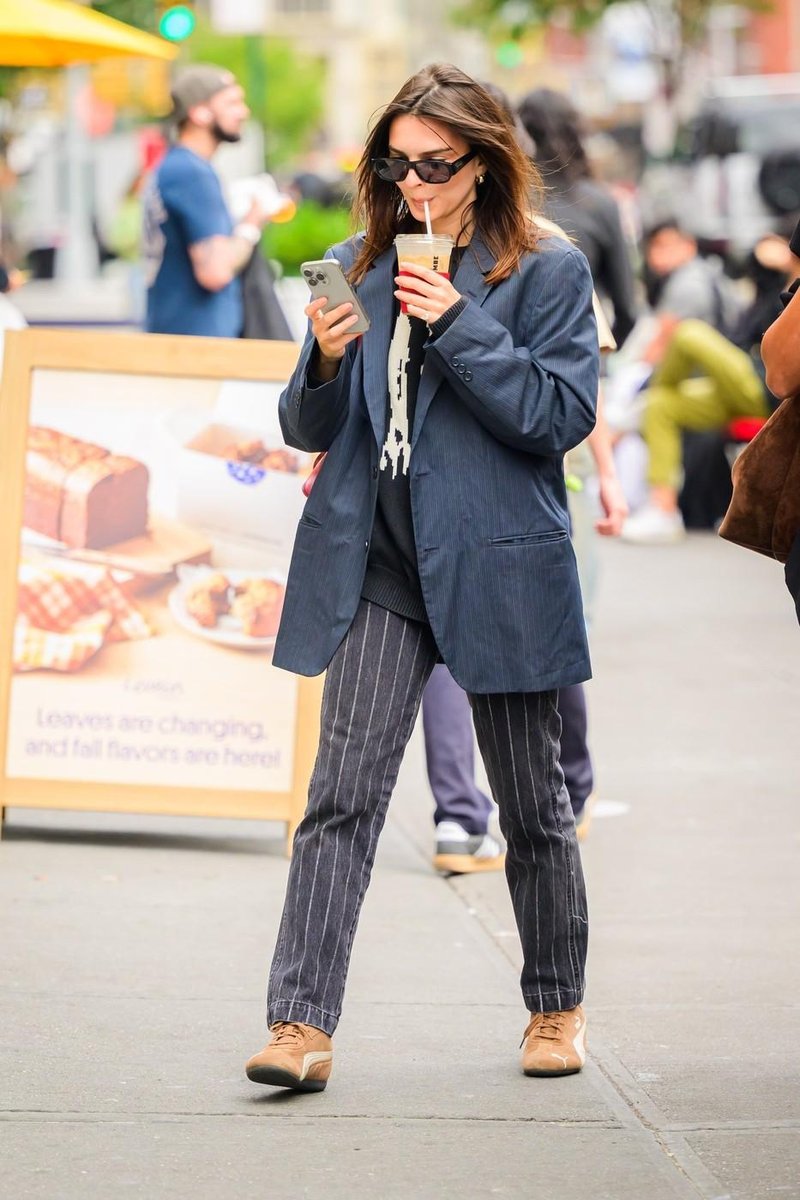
[614, 504]
[432, 294]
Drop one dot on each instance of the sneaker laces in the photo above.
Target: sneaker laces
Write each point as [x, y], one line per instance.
[287, 1033]
[550, 1026]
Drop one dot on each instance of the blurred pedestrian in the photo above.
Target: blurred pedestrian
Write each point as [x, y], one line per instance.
[684, 286]
[703, 382]
[583, 207]
[586, 211]
[473, 530]
[124, 241]
[681, 285]
[193, 254]
[462, 810]
[125, 229]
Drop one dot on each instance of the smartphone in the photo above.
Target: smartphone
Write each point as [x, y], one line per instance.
[327, 278]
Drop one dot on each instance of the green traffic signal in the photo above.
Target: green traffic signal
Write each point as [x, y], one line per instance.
[509, 55]
[176, 23]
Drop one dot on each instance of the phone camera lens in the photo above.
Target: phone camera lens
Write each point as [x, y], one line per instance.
[321, 278]
[308, 274]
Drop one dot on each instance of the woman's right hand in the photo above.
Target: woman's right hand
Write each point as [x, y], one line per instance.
[331, 328]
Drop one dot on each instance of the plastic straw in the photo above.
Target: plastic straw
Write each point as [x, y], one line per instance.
[427, 218]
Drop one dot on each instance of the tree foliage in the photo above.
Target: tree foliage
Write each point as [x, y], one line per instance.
[514, 17]
[284, 91]
[141, 13]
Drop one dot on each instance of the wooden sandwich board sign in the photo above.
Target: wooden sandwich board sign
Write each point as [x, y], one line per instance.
[149, 507]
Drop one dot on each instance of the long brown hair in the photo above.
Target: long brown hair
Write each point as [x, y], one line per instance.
[501, 211]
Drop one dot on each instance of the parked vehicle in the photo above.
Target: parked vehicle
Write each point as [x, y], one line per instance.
[736, 173]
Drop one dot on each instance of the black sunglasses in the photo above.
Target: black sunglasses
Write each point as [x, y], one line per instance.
[429, 170]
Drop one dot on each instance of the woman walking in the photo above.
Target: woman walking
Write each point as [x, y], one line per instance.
[437, 531]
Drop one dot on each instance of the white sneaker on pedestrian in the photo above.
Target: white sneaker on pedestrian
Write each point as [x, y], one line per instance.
[653, 526]
[462, 853]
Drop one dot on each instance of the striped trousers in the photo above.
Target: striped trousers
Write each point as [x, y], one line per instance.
[371, 699]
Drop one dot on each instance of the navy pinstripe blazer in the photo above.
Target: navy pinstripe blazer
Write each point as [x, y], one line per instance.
[505, 391]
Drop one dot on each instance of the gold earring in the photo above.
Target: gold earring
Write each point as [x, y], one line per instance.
[481, 178]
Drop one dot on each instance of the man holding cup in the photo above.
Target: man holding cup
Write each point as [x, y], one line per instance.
[194, 255]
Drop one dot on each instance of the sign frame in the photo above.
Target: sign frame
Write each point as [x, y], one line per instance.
[26, 351]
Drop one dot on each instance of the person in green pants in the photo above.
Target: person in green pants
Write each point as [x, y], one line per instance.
[703, 382]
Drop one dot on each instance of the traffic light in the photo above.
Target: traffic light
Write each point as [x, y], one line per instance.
[177, 22]
[509, 55]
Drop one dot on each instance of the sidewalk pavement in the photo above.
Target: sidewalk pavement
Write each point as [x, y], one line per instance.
[100, 301]
[135, 952]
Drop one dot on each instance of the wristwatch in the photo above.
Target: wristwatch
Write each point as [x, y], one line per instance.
[249, 233]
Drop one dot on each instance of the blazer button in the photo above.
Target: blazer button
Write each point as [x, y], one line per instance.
[454, 362]
[374, 472]
[366, 545]
[461, 369]
[467, 376]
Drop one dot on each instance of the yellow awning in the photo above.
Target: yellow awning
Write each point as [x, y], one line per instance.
[57, 33]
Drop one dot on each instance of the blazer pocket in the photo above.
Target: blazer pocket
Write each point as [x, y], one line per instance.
[308, 519]
[529, 539]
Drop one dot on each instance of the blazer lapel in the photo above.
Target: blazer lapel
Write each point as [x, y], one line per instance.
[469, 280]
[376, 293]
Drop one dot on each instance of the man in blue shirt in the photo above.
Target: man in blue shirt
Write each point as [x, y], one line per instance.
[193, 254]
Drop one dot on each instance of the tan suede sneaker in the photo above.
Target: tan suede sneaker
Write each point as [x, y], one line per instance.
[554, 1043]
[298, 1056]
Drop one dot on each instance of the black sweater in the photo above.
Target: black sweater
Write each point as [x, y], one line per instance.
[392, 578]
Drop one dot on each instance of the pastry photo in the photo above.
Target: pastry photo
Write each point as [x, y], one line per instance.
[236, 608]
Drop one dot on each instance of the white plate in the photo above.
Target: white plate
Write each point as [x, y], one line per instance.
[227, 631]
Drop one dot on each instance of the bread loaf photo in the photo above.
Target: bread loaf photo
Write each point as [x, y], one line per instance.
[81, 494]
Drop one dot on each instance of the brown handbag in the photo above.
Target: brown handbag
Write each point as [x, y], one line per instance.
[764, 512]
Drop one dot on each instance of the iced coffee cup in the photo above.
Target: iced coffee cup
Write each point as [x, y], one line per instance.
[428, 250]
